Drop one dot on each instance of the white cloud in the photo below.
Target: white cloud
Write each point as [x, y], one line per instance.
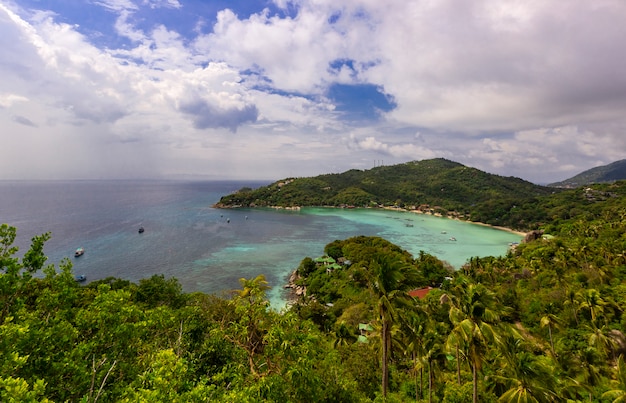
[520, 88]
[566, 150]
[175, 4]
[116, 5]
[402, 151]
[7, 100]
[292, 53]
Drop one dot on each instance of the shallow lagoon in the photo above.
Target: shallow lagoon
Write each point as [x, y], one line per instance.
[312, 228]
[415, 232]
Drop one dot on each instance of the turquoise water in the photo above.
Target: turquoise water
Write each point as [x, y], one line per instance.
[314, 228]
[209, 249]
[450, 240]
[416, 232]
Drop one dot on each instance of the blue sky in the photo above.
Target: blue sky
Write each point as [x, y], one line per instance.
[270, 89]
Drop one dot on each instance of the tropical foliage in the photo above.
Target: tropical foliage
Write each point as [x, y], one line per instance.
[545, 323]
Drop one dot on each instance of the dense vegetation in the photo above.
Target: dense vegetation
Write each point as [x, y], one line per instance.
[545, 323]
[434, 186]
[114, 341]
[441, 186]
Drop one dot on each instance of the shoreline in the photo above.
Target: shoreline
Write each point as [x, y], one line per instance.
[398, 209]
[520, 233]
[452, 217]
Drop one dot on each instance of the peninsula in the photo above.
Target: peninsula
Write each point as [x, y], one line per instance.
[435, 186]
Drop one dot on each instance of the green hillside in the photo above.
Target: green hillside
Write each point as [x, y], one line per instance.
[602, 174]
[434, 186]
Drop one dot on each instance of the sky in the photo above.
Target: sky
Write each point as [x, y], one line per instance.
[270, 89]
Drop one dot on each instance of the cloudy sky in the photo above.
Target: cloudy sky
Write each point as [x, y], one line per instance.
[258, 89]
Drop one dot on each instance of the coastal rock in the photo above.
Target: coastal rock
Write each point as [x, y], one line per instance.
[533, 235]
[296, 290]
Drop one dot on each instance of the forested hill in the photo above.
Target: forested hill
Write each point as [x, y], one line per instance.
[603, 174]
[436, 185]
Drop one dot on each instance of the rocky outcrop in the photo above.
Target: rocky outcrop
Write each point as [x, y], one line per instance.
[533, 235]
[296, 291]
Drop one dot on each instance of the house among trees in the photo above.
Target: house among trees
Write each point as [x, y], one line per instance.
[326, 260]
[364, 330]
[329, 262]
[420, 293]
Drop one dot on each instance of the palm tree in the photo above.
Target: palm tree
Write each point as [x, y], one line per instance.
[618, 393]
[425, 339]
[253, 289]
[590, 369]
[391, 277]
[528, 377]
[530, 380]
[571, 302]
[551, 321]
[474, 313]
[415, 333]
[343, 335]
[251, 305]
[434, 356]
[454, 341]
[591, 300]
[600, 339]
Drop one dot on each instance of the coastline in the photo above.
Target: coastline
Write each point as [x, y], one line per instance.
[451, 216]
[455, 217]
[414, 211]
[520, 233]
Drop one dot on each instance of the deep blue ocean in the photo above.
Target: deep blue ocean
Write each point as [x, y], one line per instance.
[209, 249]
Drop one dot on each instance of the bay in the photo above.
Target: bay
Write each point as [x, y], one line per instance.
[207, 249]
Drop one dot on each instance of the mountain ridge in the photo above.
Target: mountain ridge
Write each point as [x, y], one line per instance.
[437, 186]
[601, 174]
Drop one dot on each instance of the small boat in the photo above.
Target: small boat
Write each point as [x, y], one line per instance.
[79, 252]
[141, 230]
[452, 238]
[80, 278]
[408, 225]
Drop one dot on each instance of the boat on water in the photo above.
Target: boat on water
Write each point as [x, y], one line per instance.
[80, 278]
[141, 230]
[79, 252]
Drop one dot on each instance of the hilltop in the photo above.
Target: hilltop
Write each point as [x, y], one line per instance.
[437, 186]
[603, 174]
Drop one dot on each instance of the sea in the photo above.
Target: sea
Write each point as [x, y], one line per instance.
[208, 249]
